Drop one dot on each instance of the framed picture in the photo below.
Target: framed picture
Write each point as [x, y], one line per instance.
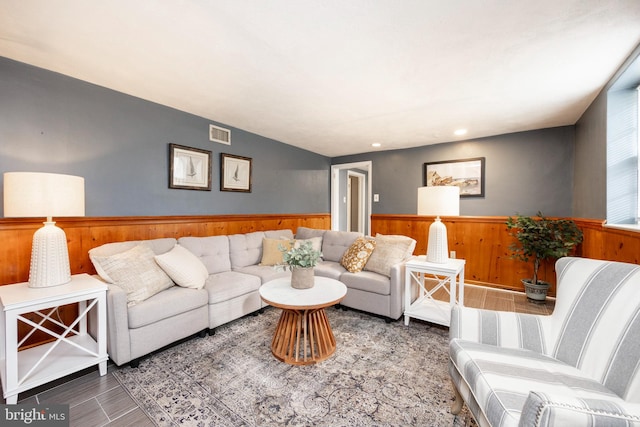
[190, 168]
[468, 174]
[235, 173]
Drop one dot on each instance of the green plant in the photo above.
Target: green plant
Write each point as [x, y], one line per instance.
[540, 238]
[299, 255]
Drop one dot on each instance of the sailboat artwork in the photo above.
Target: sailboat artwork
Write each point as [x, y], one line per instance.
[190, 168]
[235, 173]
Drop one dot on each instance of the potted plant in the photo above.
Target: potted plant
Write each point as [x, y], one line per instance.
[300, 258]
[540, 238]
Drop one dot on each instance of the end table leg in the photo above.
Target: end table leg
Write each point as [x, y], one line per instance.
[406, 320]
[12, 400]
[103, 368]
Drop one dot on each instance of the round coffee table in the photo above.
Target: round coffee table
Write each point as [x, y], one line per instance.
[303, 335]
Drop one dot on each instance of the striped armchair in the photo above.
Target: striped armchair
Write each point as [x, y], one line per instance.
[579, 366]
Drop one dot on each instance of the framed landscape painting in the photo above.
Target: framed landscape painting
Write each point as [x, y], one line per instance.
[468, 174]
[190, 168]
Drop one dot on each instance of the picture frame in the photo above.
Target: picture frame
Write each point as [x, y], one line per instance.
[235, 173]
[189, 168]
[468, 174]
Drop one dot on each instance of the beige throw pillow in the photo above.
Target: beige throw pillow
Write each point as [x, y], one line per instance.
[390, 250]
[271, 254]
[136, 272]
[355, 258]
[184, 268]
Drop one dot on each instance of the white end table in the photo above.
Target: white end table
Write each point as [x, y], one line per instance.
[303, 335]
[425, 307]
[72, 350]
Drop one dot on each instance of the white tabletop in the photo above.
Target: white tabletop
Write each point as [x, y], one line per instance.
[20, 294]
[325, 292]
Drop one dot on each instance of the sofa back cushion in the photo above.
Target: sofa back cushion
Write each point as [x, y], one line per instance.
[336, 243]
[213, 251]
[596, 323]
[246, 249]
[307, 233]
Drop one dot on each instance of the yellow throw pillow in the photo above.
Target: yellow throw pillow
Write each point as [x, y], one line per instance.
[355, 258]
[271, 255]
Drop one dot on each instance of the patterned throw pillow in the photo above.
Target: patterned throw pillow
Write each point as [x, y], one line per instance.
[390, 250]
[355, 258]
[136, 272]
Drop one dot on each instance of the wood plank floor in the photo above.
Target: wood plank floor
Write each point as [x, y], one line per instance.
[96, 401]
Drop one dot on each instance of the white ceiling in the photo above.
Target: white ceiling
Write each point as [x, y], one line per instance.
[335, 76]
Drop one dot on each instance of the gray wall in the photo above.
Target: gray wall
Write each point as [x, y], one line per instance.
[525, 173]
[53, 123]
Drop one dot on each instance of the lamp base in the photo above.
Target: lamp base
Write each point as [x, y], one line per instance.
[49, 257]
[437, 248]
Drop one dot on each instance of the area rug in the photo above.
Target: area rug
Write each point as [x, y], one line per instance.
[380, 375]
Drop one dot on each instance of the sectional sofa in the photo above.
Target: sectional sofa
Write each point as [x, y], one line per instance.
[163, 290]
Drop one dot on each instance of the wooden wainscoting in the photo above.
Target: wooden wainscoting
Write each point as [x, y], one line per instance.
[484, 243]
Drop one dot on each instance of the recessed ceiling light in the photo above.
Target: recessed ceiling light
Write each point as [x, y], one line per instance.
[460, 132]
[376, 144]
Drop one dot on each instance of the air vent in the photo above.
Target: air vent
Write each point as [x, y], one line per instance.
[218, 134]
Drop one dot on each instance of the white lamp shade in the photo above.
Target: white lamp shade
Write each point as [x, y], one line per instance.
[35, 194]
[439, 200]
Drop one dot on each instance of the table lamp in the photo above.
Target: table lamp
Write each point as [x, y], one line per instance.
[438, 200]
[33, 194]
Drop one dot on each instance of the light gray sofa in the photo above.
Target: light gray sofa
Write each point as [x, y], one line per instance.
[579, 366]
[233, 277]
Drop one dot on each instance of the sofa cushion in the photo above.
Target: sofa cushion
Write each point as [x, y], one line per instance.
[213, 251]
[367, 281]
[230, 284]
[271, 253]
[264, 272]
[245, 249]
[502, 379]
[158, 246]
[165, 305]
[330, 269]
[357, 255]
[184, 268]
[390, 250]
[336, 243]
[136, 272]
[308, 233]
[279, 234]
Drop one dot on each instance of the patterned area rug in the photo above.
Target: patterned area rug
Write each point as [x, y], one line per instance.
[381, 374]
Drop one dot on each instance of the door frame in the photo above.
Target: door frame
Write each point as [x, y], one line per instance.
[362, 208]
[336, 211]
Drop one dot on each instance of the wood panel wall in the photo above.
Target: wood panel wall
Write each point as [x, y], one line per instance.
[484, 243]
[89, 232]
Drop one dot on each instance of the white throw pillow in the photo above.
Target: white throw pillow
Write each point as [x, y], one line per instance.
[184, 268]
[136, 272]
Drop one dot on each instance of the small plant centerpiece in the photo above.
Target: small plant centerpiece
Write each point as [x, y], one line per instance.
[300, 258]
[540, 238]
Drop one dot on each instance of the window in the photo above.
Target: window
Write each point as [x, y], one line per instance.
[623, 148]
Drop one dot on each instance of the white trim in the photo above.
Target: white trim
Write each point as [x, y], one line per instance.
[335, 194]
[629, 227]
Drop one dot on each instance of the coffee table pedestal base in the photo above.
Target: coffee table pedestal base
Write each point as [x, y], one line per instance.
[303, 337]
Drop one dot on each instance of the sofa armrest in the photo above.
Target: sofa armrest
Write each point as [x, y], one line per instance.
[545, 410]
[499, 328]
[118, 341]
[396, 284]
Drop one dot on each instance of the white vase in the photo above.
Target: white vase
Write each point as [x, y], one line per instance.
[302, 277]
